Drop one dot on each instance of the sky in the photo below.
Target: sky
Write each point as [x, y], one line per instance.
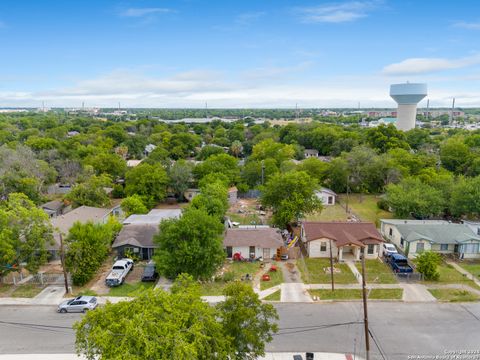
[243, 53]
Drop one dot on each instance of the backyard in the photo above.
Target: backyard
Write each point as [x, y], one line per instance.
[362, 205]
[246, 212]
[316, 271]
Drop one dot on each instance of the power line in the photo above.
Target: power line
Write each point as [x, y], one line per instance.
[377, 344]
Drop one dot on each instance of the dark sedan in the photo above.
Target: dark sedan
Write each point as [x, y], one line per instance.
[150, 273]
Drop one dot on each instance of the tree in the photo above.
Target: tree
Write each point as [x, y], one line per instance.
[87, 247]
[411, 197]
[236, 148]
[455, 155]
[191, 244]
[177, 325]
[316, 168]
[290, 196]
[106, 163]
[270, 149]
[387, 137]
[246, 321]
[180, 174]
[133, 205]
[25, 233]
[148, 181]
[209, 150]
[465, 198]
[90, 193]
[427, 263]
[221, 163]
[213, 199]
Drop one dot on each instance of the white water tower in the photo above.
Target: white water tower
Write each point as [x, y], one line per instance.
[407, 96]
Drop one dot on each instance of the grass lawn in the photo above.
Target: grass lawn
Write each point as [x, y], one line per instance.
[356, 294]
[130, 289]
[329, 213]
[4, 289]
[365, 206]
[276, 278]
[274, 297]
[377, 272]
[27, 291]
[395, 294]
[448, 275]
[244, 219]
[313, 272]
[454, 295]
[233, 271]
[473, 267]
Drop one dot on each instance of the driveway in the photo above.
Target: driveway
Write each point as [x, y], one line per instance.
[416, 293]
[293, 289]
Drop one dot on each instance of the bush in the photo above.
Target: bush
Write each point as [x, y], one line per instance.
[228, 276]
[427, 263]
[383, 205]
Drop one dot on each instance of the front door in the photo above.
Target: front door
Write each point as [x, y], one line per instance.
[252, 252]
[229, 252]
[266, 253]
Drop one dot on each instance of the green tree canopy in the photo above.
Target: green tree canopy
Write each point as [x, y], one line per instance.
[290, 196]
[133, 205]
[90, 193]
[181, 175]
[178, 325]
[148, 181]
[25, 233]
[191, 244]
[222, 163]
[387, 137]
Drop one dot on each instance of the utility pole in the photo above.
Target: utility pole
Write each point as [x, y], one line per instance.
[365, 313]
[331, 265]
[62, 259]
[263, 171]
[346, 203]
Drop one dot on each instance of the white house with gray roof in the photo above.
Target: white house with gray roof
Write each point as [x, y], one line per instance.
[415, 236]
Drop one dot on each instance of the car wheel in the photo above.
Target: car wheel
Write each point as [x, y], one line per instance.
[63, 311]
[84, 310]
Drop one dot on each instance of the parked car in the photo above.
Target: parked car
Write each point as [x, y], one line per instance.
[150, 272]
[399, 264]
[79, 304]
[119, 272]
[389, 249]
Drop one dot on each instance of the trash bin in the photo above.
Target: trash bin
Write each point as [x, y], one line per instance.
[309, 356]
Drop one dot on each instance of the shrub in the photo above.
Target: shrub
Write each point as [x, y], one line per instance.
[427, 263]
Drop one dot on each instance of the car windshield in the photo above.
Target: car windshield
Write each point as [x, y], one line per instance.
[118, 267]
[93, 300]
[149, 270]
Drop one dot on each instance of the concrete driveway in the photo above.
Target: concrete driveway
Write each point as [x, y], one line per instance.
[293, 289]
[416, 293]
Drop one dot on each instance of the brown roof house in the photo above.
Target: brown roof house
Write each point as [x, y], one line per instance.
[136, 239]
[252, 242]
[346, 238]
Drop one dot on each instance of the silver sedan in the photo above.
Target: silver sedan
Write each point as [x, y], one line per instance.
[79, 304]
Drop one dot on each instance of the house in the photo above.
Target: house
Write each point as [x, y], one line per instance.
[149, 148]
[232, 195]
[310, 153]
[474, 225]
[252, 242]
[83, 214]
[415, 236]
[136, 239]
[347, 240]
[154, 217]
[327, 196]
[61, 189]
[133, 163]
[53, 208]
[189, 194]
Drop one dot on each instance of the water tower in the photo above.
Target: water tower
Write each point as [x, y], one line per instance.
[407, 96]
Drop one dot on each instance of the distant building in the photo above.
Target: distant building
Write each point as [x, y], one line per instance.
[133, 163]
[327, 196]
[310, 153]
[149, 148]
[189, 194]
[53, 208]
[155, 217]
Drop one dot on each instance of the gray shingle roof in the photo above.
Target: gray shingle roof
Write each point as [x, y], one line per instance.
[261, 237]
[440, 233]
[136, 235]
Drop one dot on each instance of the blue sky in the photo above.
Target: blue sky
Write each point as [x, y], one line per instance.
[259, 53]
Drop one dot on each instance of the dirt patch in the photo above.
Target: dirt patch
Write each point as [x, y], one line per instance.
[53, 267]
[136, 274]
[97, 284]
[248, 211]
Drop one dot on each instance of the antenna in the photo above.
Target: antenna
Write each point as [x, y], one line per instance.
[451, 114]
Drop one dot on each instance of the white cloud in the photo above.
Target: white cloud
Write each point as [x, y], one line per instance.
[468, 25]
[429, 65]
[337, 12]
[141, 12]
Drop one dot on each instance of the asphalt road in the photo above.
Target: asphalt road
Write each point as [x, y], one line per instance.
[401, 329]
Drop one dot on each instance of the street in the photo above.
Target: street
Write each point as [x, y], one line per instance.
[400, 329]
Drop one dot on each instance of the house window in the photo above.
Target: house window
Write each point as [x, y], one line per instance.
[370, 249]
[420, 247]
[330, 200]
[252, 251]
[443, 247]
[470, 248]
[323, 246]
[390, 232]
[401, 242]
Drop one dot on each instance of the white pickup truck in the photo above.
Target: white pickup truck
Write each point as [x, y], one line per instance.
[119, 272]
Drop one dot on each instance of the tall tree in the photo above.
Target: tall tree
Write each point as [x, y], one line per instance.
[148, 181]
[191, 244]
[290, 196]
[25, 233]
[181, 176]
